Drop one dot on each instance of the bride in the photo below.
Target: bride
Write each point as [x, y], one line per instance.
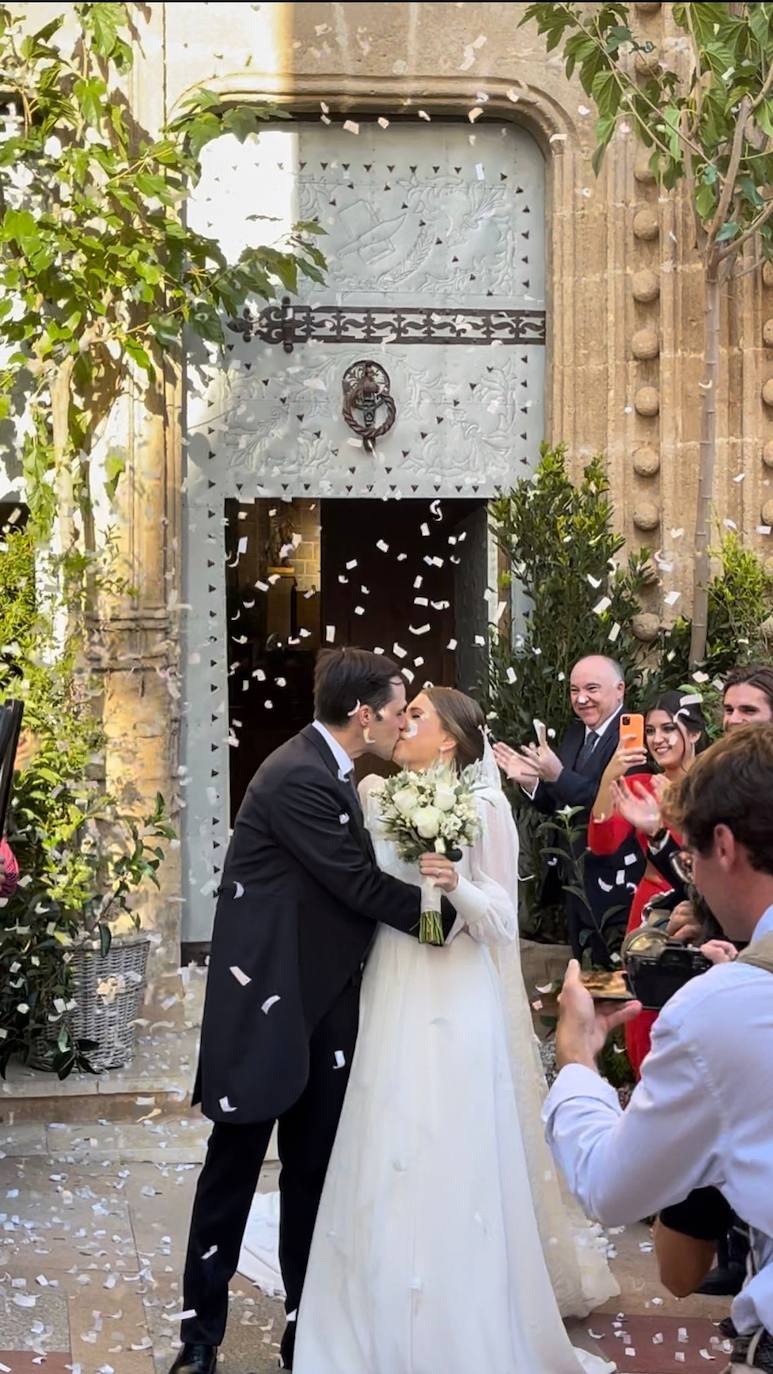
[443, 1241]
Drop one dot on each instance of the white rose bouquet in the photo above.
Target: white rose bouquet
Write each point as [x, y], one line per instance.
[434, 810]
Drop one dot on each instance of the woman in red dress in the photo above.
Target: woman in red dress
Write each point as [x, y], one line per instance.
[674, 731]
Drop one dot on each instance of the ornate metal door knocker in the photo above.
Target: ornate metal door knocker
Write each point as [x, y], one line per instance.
[366, 389]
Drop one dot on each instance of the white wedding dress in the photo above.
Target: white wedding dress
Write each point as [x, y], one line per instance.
[443, 1243]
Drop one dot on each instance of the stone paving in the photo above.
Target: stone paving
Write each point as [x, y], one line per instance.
[91, 1250]
[96, 1183]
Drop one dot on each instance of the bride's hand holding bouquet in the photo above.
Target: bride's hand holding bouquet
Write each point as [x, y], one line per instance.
[430, 815]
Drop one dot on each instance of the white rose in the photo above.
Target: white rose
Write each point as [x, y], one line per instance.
[426, 820]
[404, 799]
[445, 797]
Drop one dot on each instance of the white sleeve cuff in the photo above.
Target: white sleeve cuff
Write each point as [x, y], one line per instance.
[469, 901]
[577, 1080]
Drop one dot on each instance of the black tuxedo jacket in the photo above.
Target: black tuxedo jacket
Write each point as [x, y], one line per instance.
[298, 905]
[578, 787]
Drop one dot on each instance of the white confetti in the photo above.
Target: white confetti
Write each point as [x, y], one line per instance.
[671, 598]
[344, 818]
[451, 644]
[512, 676]
[474, 113]
[420, 629]
[210, 1252]
[614, 632]
[330, 633]
[240, 975]
[340, 1059]
[190, 1311]
[602, 605]
[399, 650]
[351, 126]
[382, 545]
[225, 1105]
[269, 1003]
[238, 889]
[384, 123]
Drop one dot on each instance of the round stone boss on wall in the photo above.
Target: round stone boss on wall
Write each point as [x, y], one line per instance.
[647, 401]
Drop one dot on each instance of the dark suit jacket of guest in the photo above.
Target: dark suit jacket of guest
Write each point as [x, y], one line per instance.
[578, 787]
[298, 907]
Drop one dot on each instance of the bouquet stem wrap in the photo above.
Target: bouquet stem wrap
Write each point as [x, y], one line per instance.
[431, 924]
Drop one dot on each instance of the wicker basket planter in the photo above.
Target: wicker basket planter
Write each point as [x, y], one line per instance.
[109, 991]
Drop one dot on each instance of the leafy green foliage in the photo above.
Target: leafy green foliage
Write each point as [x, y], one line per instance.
[709, 126]
[558, 541]
[559, 544]
[99, 272]
[740, 604]
[81, 855]
[712, 129]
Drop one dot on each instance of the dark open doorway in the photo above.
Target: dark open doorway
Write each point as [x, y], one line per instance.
[408, 577]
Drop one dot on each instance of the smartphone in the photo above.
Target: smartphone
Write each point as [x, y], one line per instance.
[632, 732]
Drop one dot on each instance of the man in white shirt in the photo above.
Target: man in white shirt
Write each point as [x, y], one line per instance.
[702, 1114]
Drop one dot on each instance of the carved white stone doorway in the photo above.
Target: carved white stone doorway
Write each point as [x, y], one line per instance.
[435, 244]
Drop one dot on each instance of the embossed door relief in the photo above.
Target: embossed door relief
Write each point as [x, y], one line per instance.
[435, 248]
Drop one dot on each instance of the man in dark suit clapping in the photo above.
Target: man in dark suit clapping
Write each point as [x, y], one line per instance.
[571, 777]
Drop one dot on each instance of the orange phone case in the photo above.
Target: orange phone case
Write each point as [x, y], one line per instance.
[632, 732]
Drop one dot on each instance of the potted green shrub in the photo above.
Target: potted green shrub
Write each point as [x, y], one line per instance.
[72, 955]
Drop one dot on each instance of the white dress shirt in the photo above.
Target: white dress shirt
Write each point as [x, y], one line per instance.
[345, 765]
[702, 1115]
[601, 729]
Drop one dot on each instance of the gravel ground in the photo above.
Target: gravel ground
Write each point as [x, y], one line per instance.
[547, 1051]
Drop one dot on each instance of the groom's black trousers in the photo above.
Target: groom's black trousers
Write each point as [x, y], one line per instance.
[229, 1177]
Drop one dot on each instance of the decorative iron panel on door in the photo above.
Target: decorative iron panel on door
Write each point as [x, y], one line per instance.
[435, 245]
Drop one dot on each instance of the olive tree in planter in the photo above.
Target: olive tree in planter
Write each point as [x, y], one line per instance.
[69, 991]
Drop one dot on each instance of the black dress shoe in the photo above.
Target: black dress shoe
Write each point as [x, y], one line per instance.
[195, 1359]
[724, 1282]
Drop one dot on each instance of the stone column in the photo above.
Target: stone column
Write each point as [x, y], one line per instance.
[141, 628]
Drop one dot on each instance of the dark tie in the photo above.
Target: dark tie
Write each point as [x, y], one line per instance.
[587, 751]
[352, 786]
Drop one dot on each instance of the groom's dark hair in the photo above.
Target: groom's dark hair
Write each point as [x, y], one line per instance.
[345, 679]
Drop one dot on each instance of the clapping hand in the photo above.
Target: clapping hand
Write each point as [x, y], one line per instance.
[637, 805]
[514, 766]
[543, 761]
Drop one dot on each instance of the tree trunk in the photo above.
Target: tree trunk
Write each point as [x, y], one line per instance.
[708, 451]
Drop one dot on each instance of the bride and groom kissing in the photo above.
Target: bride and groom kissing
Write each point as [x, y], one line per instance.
[422, 1226]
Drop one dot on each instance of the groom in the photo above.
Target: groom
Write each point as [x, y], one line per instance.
[298, 907]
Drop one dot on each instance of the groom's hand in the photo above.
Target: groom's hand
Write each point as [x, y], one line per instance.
[440, 870]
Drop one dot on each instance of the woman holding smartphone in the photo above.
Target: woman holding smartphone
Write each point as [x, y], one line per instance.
[670, 735]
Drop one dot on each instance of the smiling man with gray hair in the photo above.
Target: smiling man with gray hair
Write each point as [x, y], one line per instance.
[570, 777]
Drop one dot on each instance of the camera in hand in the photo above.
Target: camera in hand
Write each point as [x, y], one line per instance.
[657, 967]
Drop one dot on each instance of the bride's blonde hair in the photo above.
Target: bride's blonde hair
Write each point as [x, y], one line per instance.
[462, 718]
